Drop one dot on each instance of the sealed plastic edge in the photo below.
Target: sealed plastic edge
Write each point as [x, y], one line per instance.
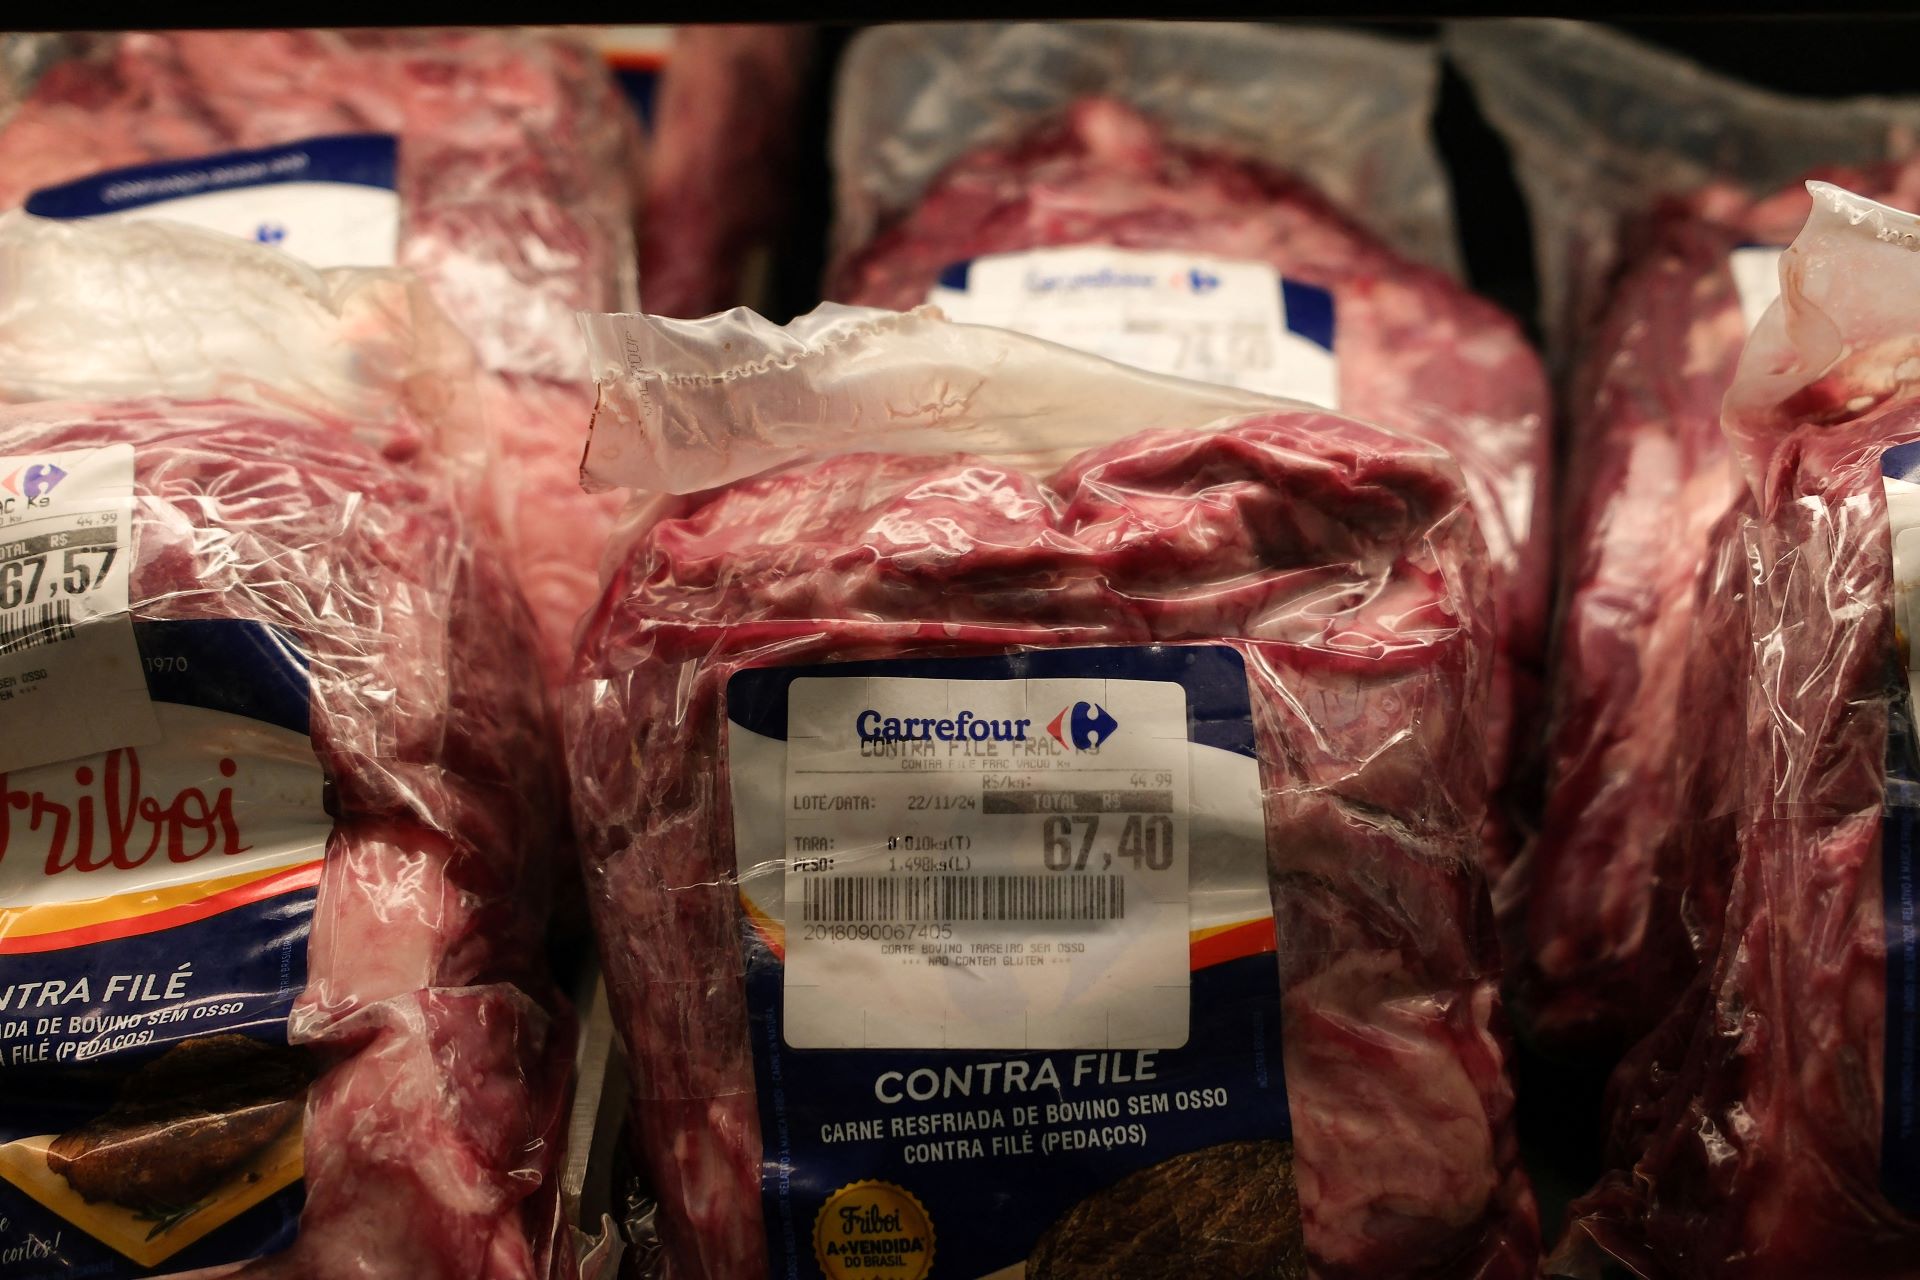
[1846, 321]
[1348, 113]
[1602, 126]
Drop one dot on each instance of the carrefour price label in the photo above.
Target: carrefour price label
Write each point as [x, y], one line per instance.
[986, 864]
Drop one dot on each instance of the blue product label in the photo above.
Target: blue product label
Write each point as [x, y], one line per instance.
[1010, 965]
[155, 908]
[641, 84]
[329, 201]
[1900, 847]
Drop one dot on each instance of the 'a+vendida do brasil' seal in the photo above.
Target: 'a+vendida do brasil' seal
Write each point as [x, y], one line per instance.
[873, 1229]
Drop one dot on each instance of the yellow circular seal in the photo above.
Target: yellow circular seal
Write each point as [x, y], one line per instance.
[873, 1229]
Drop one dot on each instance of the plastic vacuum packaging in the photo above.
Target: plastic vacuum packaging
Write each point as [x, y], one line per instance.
[275, 790]
[725, 129]
[1661, 196]
[499, 165]
[1030, 808]
[1255, 206]
[1775, 1135]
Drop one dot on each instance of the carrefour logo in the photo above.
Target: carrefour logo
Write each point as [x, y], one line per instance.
[962, 726]
[1083, 726]
[34, 481]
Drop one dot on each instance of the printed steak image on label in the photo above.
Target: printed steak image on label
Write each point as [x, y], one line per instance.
[1229, 1210]
[156, 903]
[1009, 951]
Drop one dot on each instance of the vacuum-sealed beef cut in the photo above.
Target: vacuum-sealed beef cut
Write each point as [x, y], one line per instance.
[1659, 213]
[500, 166]
[275, 795]
[1139, 208]
[1767, 1132]
[1007, 778]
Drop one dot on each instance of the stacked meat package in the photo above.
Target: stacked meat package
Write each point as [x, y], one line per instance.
[1662, 197]
[1250, 206]
[498, 165]
[1034, 806]
[274, 846]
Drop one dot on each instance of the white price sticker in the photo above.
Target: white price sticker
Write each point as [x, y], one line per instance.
[70, 677]
[986, 864]
[1211, 319]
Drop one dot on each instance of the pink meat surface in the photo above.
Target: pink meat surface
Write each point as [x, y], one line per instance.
[1622, 888]
[432, 1138]
[720, 164]
[1338, 558]
[1416, 351]
[517, 163]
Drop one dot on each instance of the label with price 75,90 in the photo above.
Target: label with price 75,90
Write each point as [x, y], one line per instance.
[70, 677]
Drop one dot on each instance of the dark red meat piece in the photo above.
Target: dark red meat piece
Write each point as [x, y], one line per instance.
[1621, 890]
[1747, 1134]
[720, 164]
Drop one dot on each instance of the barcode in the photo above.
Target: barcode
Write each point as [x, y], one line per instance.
[951, 899]
[35, 625]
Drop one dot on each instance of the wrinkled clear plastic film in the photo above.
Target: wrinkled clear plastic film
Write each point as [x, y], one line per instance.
[1783, 1069]
[1603, 127]
[518, 210]
[1114, 508]
[167, 310]
[297, 491]
[914, 98]
[688, 405]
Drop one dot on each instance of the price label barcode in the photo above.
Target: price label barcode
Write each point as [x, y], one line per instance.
[949, 899]
[35, 625]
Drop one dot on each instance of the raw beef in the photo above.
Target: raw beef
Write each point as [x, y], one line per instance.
[431, 1136]
[1337, 557]
[1623, 885]
[516, 181]
[1415, 351]
[719, 164]
[1748, 1137]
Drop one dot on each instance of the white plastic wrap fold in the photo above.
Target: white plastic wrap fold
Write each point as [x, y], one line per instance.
[688, 405]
